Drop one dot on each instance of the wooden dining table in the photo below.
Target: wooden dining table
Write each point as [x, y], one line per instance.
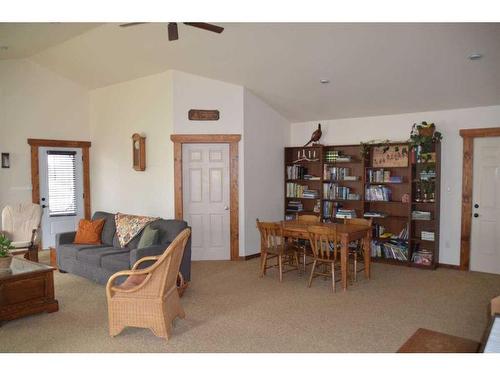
[345, 234]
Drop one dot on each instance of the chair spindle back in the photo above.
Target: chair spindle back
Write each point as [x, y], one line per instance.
[323, 242]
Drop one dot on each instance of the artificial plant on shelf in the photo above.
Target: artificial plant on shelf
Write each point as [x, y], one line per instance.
[5, 246]
[423, 135]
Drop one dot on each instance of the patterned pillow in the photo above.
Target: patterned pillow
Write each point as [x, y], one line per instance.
[128, 226]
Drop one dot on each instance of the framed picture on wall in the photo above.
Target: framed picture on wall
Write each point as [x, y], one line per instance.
[393, 156]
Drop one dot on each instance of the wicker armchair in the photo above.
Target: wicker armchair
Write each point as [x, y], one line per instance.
[149, 297]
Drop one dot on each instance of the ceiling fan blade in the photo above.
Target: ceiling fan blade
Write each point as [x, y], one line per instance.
[206, 26]
[173, 33]
[132, 24]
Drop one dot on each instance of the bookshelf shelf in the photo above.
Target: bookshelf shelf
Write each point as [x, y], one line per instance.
[399, 214]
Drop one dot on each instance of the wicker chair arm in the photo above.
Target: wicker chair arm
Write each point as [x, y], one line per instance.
[111, 280]
[145, 259]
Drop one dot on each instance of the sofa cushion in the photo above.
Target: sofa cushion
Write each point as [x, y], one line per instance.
[93, 256]
[116, 262]
[89, 232]
[149, 237]
[70, 250]
[169, 229]
[109, 229]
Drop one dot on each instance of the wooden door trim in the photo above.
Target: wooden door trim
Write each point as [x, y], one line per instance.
[232, 140]
[35, 173]
[468, 136]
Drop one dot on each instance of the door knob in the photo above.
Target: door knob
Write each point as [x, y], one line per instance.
[226, 208]
[476, 206]
[476, 215]
[44, 206]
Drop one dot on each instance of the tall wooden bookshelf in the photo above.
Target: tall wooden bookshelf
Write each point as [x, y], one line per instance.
[329, 175]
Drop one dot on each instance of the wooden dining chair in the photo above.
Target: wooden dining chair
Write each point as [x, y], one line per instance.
[356, 249]
[304, 245]
[325, 251]
[273, 245]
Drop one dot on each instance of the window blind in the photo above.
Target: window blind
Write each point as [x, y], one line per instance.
[62, 183]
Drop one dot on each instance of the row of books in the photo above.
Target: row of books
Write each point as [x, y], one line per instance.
[378, 193]
[334, 156]
[338, 174]
[392, 249]
[334, 191]
[295, 172]
[381, 175]
[375, 214]
[294, 190]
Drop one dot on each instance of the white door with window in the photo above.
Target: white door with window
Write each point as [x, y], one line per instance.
[205, 184]
[61, 191]
[485, 235]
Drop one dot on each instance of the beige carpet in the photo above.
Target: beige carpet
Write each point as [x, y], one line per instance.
[229, 309]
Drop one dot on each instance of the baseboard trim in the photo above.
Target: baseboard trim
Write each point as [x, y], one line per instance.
[248, 257]
[450, 266]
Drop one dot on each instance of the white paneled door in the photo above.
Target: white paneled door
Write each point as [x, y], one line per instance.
[485, 236]
[61, 191]
[205, 184]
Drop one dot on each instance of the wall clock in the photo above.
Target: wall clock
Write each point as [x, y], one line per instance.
[139, 152]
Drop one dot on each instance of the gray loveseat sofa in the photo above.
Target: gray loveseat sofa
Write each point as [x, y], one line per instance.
[99, 262]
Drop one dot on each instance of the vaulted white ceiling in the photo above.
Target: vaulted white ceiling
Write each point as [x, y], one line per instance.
[374, 69]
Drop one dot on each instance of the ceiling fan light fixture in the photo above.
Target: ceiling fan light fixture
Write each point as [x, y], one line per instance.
[324, 81]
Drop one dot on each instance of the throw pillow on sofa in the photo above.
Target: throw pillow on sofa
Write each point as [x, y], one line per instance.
[149, 237]
[89, 232]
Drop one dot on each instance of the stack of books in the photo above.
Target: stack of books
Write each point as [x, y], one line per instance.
[310, 194]
[427, 236]
[378, 193]
[295, 206]
[345, 214]
[422, 256]
[420, 215]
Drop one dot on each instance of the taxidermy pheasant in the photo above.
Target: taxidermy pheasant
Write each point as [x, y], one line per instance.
[315, 136]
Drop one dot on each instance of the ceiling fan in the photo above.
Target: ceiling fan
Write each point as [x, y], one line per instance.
[173, 33]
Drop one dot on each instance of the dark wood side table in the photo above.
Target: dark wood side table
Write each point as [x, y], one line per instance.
[26, 288]
[53, 257]
[427, 341]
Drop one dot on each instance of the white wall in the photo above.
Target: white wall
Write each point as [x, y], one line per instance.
[265, 134]
[35, 103]
[143, 106]
[396, 128]
[194, 92]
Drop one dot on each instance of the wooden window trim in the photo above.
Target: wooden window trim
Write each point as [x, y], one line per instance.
[232, 140]
[468, 136]
[35, 173]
